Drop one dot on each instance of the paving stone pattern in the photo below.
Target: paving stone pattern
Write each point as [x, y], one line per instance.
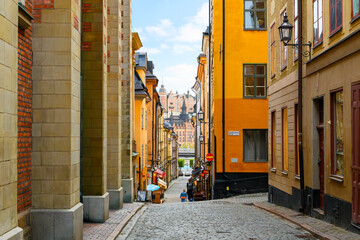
[232, 218]
[316, 224]
[95, 231]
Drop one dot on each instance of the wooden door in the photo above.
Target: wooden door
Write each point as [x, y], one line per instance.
[355, 99]
[320, 129]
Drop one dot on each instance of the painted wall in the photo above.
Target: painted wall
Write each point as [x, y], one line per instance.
[241, 47]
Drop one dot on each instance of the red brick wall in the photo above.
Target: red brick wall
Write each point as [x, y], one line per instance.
[24, 115]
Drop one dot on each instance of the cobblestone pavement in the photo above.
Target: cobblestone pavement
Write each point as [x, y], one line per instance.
[172, 194]
[117, 220]
[232, 218]
[325, 229]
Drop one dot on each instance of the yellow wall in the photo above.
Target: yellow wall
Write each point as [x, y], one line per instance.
[242, 47]
[141, 135]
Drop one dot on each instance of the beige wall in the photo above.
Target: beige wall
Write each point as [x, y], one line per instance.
[95, 101]
[56, 109]
[114, 96]
[8, 114]
[127, 92]
[283, 94]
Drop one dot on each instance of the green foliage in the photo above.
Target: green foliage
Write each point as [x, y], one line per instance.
[181, 163]
[191, 163]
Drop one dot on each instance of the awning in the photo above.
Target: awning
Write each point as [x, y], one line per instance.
[134, 154]
[160, 173]
[162, 183]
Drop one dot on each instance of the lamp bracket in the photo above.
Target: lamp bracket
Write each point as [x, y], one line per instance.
[305, 53]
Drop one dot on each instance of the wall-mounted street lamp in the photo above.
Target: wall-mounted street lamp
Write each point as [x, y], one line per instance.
[201, 115]
[285, 31]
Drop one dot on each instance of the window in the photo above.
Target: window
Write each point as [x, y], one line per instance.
[355, 8]
[317, 17]
[283, 48]
[296, 27]
[335, 15]
[296, 140]
[255, 14]
[255, 145]
[272, 49]
[337, 133]
[273, 140]
[284, 130]
[255, 80]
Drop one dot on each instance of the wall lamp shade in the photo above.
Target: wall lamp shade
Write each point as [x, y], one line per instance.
[285, 30]
[201, 138]
[201, 115]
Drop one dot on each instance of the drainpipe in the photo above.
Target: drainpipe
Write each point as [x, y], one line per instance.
[81, 106]
[301, 160]
[209, 88]
[153, 131]
[223, 91]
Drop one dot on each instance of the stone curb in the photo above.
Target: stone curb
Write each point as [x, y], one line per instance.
[316, 233]
[123, 223]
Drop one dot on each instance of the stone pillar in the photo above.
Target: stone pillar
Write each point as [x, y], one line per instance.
[94, 136]
[127, 103]
[114, 105]
[8, 119]
[56, 209]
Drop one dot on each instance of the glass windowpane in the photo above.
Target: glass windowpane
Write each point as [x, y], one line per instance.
[339, 133]
[296, 8]
[355, 7]
[249, 146]
[332, 2]
[249, 91]
[320, 8]
[260, 81]
[332, 19]
[315, 11]
[338, 14]
[320, 29]
[260, 19]
[249, 4]
[260, 4]
[260, 92]
[249, 69]
[260, 69]
[249, 81]
[249, 19]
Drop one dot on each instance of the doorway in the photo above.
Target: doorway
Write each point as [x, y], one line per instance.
[355, 115]
[319, 152]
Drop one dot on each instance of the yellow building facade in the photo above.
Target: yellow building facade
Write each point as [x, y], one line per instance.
[239, 58]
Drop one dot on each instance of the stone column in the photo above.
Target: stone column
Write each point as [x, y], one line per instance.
[114, 105]
[127, 103]
[94, 136]
[8, 119]
[56, 209]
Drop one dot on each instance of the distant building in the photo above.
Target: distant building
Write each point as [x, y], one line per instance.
[177, 111]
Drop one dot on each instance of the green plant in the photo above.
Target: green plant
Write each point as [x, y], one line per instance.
[181, 163]
[191, 163]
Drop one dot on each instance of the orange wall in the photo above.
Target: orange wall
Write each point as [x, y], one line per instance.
[241, 47]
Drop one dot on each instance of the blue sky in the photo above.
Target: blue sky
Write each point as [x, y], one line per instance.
[171, 33]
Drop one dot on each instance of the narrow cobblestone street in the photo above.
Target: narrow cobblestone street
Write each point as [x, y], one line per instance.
[234, 218]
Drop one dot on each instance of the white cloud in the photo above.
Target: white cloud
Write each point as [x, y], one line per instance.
[163, 29]
[179, 77]
[192, 31]
[151, 50]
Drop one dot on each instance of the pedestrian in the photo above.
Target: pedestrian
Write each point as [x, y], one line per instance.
[183, 195]
[189, 187]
